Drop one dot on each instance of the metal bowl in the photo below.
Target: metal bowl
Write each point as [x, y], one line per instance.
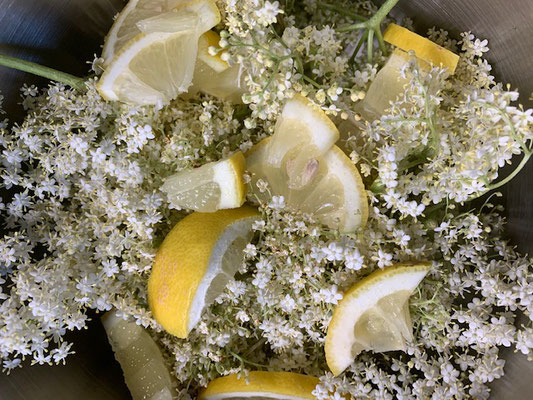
[65, 34]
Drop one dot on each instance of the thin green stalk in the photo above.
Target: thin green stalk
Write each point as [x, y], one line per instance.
[243, 361]
[383, 11]
[311, 81]
[369, 46]
[40, 70]
[372, 25]
[381, 42]
[342, 10]
[358, 47]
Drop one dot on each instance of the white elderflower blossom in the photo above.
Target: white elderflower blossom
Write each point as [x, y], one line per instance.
[86, 214]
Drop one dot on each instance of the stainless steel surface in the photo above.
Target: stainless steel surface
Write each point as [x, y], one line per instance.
[64, 34]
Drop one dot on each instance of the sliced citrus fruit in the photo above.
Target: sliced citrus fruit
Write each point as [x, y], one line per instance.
[373, 315]
[154, 67]
[145, 372]
[334, 193]
[213, 75]
[303, 132]
[424, 48]
[261, 385]
[125, 27]
[213, 186]
[157, 64]
[194, 263]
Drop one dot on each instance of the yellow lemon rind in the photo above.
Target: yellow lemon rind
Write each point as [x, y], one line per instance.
[290, 385]
[338, 341]
[424, 48]
[181, 263]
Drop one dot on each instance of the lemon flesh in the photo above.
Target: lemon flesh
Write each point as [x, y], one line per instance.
[373, 315]
[154, 67]
[211, 187]
[213, 75]
[334, 193]
[194, 263]
[262, 385]
[303, 132]
[125, 27]
[156, 64]
[145, 372]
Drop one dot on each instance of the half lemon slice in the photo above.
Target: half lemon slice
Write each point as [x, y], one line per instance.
[373, 315]
[211, 187]
[194, 263]
[145, 372]
[261, 385]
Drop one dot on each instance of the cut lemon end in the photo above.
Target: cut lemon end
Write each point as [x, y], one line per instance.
[211, 187]
[194, 263]
[424, 48]
[143, 366]
[373, 315]
[262, 384]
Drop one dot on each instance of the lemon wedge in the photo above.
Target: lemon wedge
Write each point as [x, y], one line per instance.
[424, 48]
[145, 372]
[213, 75]
[302, 133]
[157, 64]
[261, 385]
[301, 163]
[213, 186]
[373, 315]
[194, 263]
[125, 27]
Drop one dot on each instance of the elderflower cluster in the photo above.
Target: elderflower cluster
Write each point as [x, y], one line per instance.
[83, 213]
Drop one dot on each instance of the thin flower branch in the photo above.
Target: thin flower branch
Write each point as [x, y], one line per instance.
[40, 70]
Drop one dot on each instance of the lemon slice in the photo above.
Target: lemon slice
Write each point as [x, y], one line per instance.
[334, 195]
[213, 75]
[155, 66]
[302, 133]
[145, 372]
[424, 48]
[261, 385]
[213, 186]
[373, 315]
[125, 27]
[194, 263]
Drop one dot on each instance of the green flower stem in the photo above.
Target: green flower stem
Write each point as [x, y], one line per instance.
[358, 47]
[372, 25]
[342, 10]
[243, 361]
[45, 72]
[370, 46]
